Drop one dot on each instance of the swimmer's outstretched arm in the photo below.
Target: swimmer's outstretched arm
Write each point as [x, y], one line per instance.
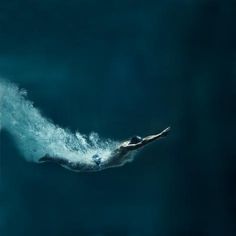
[149, 139]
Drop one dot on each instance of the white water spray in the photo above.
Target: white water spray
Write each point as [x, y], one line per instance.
[37, 136]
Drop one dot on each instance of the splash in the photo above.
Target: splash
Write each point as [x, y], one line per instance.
[36, 136]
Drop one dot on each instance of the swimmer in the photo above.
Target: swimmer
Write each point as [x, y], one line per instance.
[120, 156]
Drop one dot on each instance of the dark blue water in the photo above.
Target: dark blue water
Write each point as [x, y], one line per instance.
[124, 68]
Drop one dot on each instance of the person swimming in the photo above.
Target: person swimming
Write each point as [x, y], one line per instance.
[122, 154]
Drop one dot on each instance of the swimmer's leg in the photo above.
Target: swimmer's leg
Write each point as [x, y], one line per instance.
[73, 166]
[57, 160]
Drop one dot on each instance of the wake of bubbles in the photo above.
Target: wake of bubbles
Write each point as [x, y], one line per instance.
[36, 136]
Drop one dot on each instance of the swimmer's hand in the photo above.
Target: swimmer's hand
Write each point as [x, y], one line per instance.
[165, 132]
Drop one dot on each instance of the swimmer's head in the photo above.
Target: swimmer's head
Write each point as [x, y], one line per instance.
[135, 139]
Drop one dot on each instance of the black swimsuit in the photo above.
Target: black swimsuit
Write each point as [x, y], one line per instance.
[97, 159]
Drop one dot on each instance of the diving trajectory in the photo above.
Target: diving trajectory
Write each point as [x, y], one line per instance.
[39, 140]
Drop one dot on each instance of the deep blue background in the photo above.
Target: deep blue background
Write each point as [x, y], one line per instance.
[122, 68]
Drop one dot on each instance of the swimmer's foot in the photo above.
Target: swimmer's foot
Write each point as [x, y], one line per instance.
[165, 132]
